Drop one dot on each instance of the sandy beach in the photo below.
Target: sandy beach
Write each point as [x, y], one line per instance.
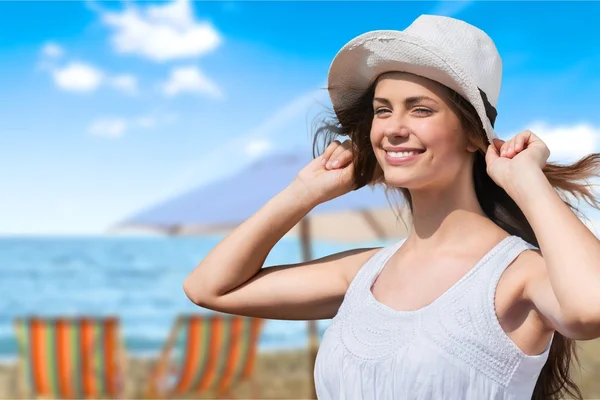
[285, 375]
[280, 375]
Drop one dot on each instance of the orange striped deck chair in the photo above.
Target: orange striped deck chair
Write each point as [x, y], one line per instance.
[70, 358]
[215, 353]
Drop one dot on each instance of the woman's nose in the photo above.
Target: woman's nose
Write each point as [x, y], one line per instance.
[396, 127]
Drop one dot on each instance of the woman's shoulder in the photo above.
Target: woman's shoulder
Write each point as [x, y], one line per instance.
[528, 254]
[530, 258]
[369, 259]
[528, 266]
[527, 261]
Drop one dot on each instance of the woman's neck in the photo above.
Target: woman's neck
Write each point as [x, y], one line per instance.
[449, 216]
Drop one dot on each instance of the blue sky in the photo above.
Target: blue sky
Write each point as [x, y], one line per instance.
[108, 107]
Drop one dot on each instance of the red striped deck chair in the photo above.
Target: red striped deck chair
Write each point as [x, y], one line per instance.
[215, 353]
[70, 358]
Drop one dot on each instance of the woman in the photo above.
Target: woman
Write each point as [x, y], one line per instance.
[497, 276]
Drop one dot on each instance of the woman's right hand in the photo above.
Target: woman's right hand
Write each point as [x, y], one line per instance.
[329, 176]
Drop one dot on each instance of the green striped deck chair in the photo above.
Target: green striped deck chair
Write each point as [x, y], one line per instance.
[70, 358]
[208, 354]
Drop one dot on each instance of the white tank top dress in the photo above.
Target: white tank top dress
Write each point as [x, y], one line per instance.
[454, 348]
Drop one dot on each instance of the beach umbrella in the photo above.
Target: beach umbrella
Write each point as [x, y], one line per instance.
[361, 215]
[222, 205]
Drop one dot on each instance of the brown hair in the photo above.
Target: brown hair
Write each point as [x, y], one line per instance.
[354, 122]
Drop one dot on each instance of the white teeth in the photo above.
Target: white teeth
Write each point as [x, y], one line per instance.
[400, 154]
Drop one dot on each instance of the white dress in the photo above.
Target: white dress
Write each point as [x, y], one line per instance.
[454, 348]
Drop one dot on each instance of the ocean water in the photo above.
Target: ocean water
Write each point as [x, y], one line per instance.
[138, 279]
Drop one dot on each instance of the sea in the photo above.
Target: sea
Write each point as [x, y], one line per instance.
[138, 279]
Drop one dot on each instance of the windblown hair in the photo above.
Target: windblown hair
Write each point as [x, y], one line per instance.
[354, 122]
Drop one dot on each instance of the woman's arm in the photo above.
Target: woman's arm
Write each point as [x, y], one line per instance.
[231, 278]
[566, 291]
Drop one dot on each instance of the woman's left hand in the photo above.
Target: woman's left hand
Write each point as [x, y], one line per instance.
[506, 160]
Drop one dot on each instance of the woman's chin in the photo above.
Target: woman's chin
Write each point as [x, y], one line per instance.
[398, 180]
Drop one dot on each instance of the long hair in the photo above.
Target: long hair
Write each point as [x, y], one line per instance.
[354, 122]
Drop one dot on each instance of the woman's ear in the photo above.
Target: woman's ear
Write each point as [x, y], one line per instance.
[471, 147]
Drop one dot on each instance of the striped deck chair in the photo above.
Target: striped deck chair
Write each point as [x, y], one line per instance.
[67, 358]
[215, 353]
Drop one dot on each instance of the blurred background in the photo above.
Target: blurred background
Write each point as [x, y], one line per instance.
[133, 134]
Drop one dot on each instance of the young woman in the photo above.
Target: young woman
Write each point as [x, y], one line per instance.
[497, 276]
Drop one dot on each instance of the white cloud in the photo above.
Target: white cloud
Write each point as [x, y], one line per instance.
[256, 148]
[190, 80]
[78, 77]
[52, 50]
[50, 53]
[115, 127]
[84, 78]
[161, 32]
[125, 83]
[108, 127]
[567, 143]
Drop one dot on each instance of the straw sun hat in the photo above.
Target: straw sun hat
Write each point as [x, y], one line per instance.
[449, 51]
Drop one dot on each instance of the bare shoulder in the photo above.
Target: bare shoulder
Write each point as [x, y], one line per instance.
[531, 259]
[348, 263]
[528, 275]
[516, 280]
[520, 309]
[527, 268]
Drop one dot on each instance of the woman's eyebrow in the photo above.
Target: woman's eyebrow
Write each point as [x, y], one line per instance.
[409, 101]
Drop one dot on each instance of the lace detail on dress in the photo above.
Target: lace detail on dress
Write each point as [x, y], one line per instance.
[466, 325]
[462, 321]
[453, 348]
[370, 335]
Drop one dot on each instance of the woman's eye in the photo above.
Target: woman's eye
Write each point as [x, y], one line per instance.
[423, 111]
[381, 110]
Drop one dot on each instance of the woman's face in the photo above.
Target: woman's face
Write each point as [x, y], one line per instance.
[416, 135]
